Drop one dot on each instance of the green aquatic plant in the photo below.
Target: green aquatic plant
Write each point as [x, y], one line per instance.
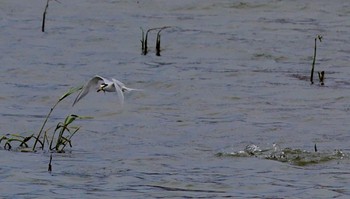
[65, 133]
[318, 37]
[9, 139]
[57, 141]
[68, 93]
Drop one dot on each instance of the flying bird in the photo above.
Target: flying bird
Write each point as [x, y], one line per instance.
[99, 83]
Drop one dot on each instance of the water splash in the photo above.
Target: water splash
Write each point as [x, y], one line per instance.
[297, 157]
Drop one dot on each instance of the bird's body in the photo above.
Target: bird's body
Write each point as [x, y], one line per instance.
[99, 83]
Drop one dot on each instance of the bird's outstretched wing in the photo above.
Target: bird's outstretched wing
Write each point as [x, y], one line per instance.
[93, 83]
[119, 91]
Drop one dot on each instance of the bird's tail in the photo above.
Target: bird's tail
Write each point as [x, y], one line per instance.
[127, 89]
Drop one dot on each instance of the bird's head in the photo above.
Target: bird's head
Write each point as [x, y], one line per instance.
[102, 87]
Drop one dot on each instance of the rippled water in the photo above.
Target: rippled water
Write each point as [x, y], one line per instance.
[231, 74]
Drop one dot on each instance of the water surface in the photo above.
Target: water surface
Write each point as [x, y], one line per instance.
[231, 74]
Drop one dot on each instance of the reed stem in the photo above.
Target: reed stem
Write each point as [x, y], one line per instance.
[314, 59]
[44, 16]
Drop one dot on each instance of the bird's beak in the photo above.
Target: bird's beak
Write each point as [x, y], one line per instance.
[102, 88]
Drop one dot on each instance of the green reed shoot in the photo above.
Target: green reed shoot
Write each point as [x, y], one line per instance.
[15, 138]
[65, 133]
[68, 93]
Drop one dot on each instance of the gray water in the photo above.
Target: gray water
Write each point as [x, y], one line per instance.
[231, 74]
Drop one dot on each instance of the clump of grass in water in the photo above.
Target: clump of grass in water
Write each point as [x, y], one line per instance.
[320, 74]
[70, 91]
[15, 138]
[56, 143]
[64, 132]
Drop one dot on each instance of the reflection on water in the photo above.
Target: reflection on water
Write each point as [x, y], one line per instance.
[230, 74]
